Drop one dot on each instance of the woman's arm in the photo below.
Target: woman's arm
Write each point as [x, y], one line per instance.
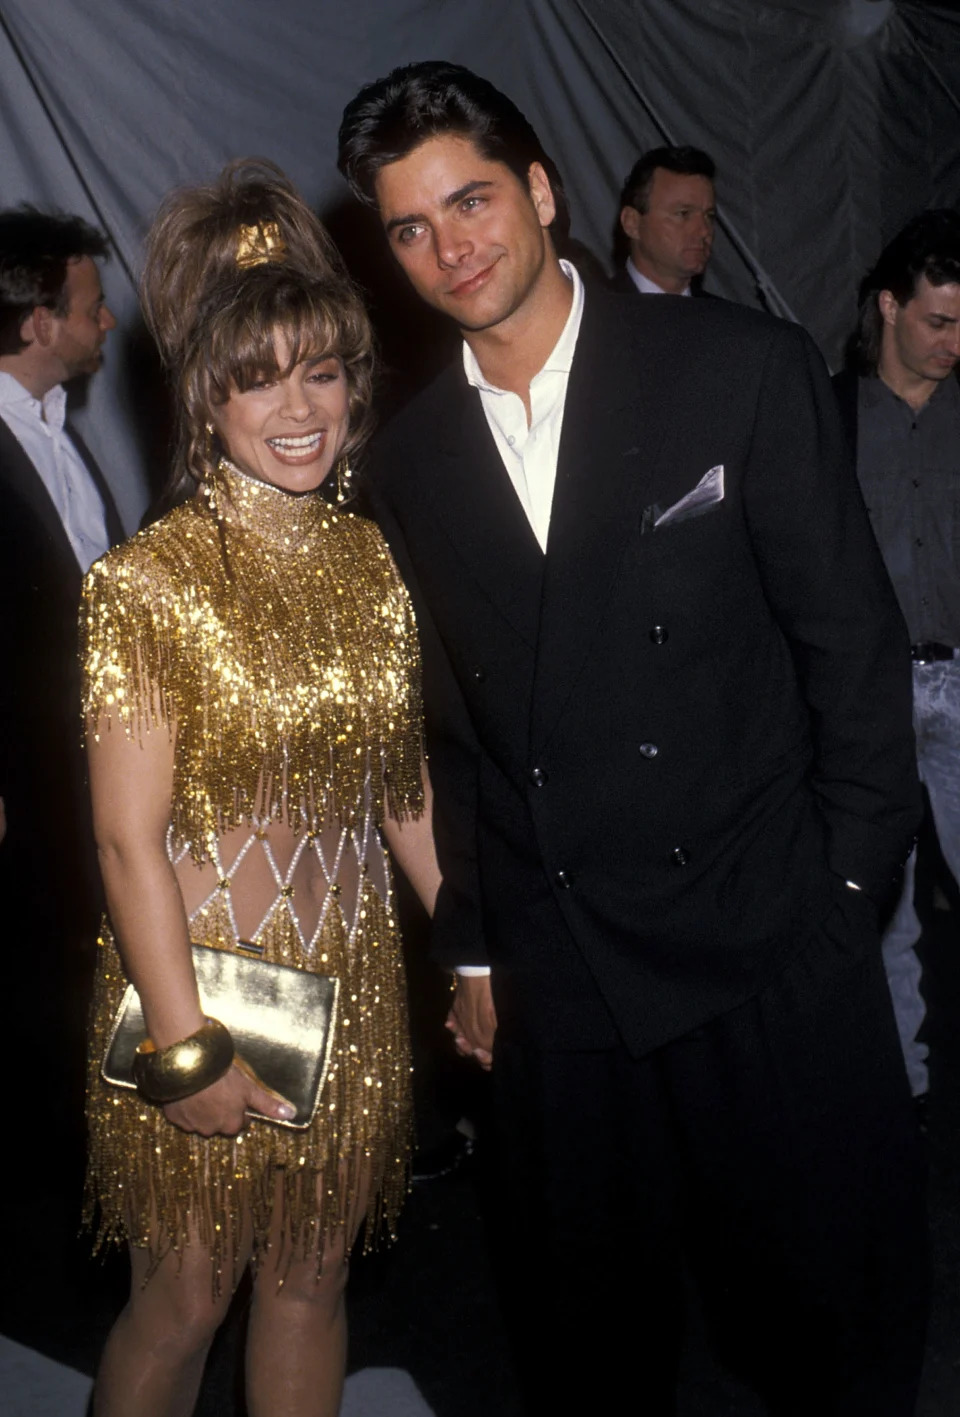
[472, 1018]
[131, 783]
[411, 845]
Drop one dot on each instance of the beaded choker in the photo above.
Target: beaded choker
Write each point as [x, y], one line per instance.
[284, 518]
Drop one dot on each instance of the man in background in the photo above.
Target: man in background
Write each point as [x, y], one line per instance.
[901, 405]
[667, 214]
[56, 517]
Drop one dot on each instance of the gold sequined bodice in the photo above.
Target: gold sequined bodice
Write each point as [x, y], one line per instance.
[272, 637]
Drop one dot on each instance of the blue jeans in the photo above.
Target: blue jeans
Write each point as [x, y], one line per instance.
[936, 719]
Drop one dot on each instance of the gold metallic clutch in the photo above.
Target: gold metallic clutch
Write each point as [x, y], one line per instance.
[282, 1021]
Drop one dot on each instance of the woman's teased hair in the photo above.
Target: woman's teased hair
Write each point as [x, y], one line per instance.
[216, 323]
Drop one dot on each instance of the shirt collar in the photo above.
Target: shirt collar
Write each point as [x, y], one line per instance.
[560, 358]
[51, 409]
[874, 391]
[644, 284]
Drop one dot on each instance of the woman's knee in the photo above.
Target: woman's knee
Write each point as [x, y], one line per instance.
[309, 1282]
[181, 1304]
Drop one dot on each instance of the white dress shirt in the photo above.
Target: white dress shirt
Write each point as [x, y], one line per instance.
[646, 286]
[530, 453]
[38, 427]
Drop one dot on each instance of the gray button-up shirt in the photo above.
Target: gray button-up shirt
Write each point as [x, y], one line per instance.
[908, 464]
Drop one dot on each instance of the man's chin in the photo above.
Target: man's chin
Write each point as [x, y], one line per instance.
[472, 319]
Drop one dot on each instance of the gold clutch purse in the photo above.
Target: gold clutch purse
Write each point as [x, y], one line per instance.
[282, 1021]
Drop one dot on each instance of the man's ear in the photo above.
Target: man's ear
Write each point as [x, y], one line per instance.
[541, 193]
[889, 306]
[39, 327]
[630, 221]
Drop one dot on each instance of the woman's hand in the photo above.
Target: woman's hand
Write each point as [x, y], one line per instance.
[222, 1107]
[473, 1019]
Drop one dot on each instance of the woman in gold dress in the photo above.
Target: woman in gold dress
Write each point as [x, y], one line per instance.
[253, 724]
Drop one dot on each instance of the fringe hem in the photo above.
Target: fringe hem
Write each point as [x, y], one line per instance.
[158, 1188]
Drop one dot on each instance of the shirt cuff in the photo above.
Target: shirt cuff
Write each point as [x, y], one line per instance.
[472, 971]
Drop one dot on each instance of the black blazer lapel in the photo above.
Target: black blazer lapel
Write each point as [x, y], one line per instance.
[26, 485]
[846, 386]
[612, 429]
[474, 499]
[115, 528]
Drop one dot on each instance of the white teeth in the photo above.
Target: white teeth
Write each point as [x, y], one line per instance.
[309, 440]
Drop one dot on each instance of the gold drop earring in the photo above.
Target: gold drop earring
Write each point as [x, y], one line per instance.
[344, 475]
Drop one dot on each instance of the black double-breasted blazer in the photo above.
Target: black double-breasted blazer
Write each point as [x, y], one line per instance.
[658, 751]
[47, 856]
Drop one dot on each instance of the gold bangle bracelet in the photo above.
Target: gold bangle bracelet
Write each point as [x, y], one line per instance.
[171, 1074]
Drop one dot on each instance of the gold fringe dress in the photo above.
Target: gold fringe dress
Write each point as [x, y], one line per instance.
[271, 636]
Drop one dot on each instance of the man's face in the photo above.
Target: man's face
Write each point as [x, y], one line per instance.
[469, 235]
[77, 337]
[921, 339]
[670, 242]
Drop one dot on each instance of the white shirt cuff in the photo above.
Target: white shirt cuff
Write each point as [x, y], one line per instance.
[472, 971]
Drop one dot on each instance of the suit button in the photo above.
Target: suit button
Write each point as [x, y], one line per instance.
[563, 880]
[680, 856]
[538, 777]
[659, 634]
[479, 675]
[648, 750]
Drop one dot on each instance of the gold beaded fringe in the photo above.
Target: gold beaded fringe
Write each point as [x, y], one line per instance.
[273, 638]
[156, 1186]
[285, 668]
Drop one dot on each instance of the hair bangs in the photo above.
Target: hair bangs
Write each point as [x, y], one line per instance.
[265, 333]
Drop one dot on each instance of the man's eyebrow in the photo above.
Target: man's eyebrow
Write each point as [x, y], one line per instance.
[451, 200]
[465, 191]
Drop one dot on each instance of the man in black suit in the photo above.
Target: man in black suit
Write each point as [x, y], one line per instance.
[668, 716]
[668, 209]
[56, 516]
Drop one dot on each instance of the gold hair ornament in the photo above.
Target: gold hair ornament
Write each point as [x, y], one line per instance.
[258, 244]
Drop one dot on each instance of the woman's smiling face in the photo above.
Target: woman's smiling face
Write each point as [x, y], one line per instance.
[288, 429]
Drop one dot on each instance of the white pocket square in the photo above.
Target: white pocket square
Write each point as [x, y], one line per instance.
[707, 493]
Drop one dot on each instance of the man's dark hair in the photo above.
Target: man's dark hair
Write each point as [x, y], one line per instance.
[35, 250]
[929, 245]
[687, 161]
[391, 117]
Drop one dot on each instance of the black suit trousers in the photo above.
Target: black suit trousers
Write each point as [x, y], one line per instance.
[772, 1154]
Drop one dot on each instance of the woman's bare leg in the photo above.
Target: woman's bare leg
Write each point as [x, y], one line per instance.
[297, 1335]
[153, 1360]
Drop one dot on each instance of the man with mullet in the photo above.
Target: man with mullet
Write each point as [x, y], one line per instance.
[668, 712]
[901, 406]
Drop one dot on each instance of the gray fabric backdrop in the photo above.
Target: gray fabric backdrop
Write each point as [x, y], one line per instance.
[832, 122]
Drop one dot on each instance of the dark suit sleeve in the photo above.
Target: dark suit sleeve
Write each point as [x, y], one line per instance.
[827, 586]
[453, 754]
